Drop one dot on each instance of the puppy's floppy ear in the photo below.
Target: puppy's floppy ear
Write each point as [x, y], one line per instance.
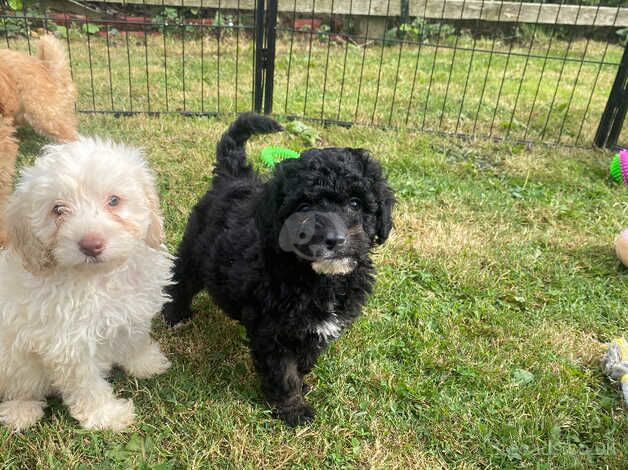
[383, 194]
[267, 213]
[36, 256]
[385, 203]
[155, 233]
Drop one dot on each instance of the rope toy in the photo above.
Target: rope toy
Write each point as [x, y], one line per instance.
[272, 155]
[616, 364]
[619, 167]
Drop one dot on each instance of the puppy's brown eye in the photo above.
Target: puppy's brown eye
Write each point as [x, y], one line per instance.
[113, 201]
[355, 204]
[59, 210]
[303, 207]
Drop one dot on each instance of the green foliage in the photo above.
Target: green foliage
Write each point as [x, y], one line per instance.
[13, 27]
[308, 135]
[90, 28]
[323, 32]
[15, 5]
[623, 34]
[222, 25]
[421, 30]
[29, 16]
[167, 16]
[23, 5]
[139, 453]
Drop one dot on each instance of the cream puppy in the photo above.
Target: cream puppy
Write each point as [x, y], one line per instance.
[81, 279]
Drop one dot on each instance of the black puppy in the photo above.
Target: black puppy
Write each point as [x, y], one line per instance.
[288, 258]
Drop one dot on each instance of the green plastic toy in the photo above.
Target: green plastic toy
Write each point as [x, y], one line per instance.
[619, 167]
[272, 155]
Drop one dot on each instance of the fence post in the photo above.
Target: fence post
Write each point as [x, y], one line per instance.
[615, 112]
[258, 79]
[271, 35]
[265, 35]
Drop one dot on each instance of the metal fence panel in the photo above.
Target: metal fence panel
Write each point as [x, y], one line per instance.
[491, 69]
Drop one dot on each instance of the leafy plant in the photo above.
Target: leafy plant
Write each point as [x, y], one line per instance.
[29, 16]
[168, 16]
[13, 27]
[89, 28]
[623, 34]
[308, 134]
[323, 32]
[222, 24]
[420, 30]
[15, 5]
[62, 31]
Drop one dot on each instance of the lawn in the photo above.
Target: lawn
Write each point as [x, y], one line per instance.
[479, 348]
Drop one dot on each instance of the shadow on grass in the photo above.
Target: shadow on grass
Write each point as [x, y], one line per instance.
[30, 143]
[210, 354]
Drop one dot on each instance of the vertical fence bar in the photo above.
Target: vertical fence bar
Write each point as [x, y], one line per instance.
[545, 61]
[525, 68]
[219, 36]
[309, 60]
[164, 33]
[145, 32]
[292, 28]
[344, 64]
[237, 58]
[329, 35]
[416, 65]
[504, 74]
[615, 111]
[381, 61]
[575, 84]
[203, 31]
[451, 71]
[364, 48]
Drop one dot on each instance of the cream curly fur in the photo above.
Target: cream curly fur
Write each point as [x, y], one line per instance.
[67, 316]
[37, 91]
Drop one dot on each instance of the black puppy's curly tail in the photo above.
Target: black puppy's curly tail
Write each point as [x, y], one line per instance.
[230, 154]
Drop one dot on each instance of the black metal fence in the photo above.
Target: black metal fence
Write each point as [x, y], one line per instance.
[533, 72]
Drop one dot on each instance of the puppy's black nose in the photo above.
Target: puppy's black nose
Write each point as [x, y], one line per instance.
[333, 239]
[92, 245]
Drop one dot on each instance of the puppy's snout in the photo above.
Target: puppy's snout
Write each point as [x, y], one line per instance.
[92, 244]
[334, 239]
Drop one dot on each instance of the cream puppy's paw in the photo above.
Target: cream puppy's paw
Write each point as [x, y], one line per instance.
[21, 414]
[147, 362]
[115, 415]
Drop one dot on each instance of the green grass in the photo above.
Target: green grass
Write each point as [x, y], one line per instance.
[555, 98]
[480, 347]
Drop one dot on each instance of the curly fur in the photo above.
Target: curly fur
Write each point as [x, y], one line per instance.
[70, 309]
[292, 304]
[37, 91]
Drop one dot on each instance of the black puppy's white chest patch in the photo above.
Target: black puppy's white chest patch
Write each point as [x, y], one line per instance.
[330, 328]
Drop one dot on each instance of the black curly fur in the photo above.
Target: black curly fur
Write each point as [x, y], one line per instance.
[230, 247]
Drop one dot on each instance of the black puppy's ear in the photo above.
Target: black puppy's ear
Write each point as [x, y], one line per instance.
[267, 212]
[385, 202]
[382, 192]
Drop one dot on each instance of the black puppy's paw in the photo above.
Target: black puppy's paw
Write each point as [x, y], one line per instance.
[296, 415]
[173, 315]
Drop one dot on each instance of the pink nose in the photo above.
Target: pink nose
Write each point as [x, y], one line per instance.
[92, 244]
